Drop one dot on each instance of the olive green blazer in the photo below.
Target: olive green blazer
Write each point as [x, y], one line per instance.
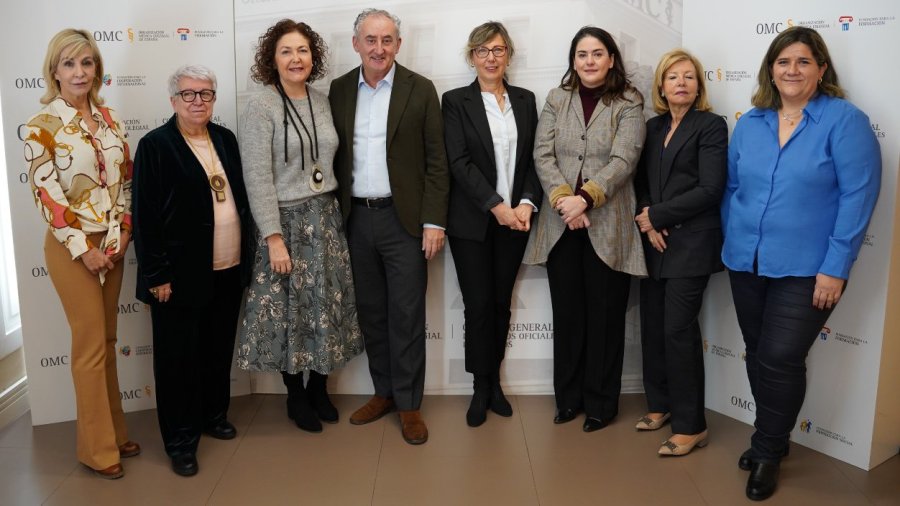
[416, 159]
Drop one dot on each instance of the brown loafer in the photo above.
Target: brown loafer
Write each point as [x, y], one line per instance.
[414, 430]
[373, 410]
[129, 449]
[113, 472]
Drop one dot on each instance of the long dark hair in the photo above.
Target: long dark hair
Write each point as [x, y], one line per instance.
[616, 83]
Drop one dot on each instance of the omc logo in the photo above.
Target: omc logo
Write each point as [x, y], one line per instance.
[109, 35]
[743, 404]
[125, 350]
[824, 333]
[55, 361]
[132, 307]
[28, 83]
[714, 75]
[39, 272]
[805, 425]
[773, 27]
[845, 23]
[137, 393]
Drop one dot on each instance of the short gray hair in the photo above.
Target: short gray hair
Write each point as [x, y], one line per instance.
[374, 12]
[193, 72]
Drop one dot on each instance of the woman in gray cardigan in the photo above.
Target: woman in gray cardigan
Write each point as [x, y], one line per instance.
[300, 312]
[586, 148]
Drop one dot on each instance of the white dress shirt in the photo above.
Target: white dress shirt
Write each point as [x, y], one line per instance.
[370, 170]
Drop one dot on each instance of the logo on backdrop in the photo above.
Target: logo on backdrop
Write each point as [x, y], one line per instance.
[135, 125]
[746, 405]
[133, 307]
[869, 240]
[845, 22]
[131, 80]
[805, 425]
[136, 393]
[879, 133]
[773, 27]
[824, 333]
[109, 36]
[39, 271]
[150, 35]
[529, 331]
[30, 83]
[432, 335]
[54, 361]
[729, 76]
[107, 79]
[125, 350]
[816, 24]
[875, 21]
[182, 33]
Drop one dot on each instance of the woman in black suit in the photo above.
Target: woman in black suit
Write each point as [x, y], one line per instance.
[191, 222]
[679, 183]
[489, 132]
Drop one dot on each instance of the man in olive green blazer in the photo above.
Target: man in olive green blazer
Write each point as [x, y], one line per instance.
[393, 189]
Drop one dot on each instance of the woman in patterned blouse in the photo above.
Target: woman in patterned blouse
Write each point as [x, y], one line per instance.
[80, 172]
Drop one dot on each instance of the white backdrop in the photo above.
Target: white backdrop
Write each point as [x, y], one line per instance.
[434, 35]
[837, 417]
[141, 46]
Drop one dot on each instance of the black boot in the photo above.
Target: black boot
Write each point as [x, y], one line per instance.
[477, 412]
[298, 407]
[316, 389]
[499, 404]
[762, 481]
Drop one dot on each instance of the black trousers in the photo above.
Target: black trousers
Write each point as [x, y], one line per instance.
[192, 352]
[589, 301]
[780, 325]
[390, 276]
[672, 350]
[487, 271]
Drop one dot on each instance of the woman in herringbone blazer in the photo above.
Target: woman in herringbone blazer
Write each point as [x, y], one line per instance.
[587, 145]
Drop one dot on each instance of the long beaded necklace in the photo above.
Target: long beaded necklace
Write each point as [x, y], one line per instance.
[216, 181]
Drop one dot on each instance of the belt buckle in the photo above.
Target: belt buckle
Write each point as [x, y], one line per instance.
[370, 203]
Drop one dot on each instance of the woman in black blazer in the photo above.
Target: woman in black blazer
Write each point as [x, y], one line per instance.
[679, 183]
[191, 223]
[489, 132]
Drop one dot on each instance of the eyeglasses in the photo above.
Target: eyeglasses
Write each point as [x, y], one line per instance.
[482, 51]
[191, 95]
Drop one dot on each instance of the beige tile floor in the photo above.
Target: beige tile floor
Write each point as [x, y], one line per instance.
[522, 460]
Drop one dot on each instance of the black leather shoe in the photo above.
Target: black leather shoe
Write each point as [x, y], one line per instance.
[592, 424]
[185, 464]
[499, 404]
[565, 415]
[762, 481]
[221, 430]
[746, 462]
[477, 412]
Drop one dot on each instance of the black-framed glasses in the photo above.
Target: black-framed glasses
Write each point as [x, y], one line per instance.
[191, 95]
[482, 51]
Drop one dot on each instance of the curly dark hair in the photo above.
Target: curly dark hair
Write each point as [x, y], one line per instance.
[264, 70]
[617, 82]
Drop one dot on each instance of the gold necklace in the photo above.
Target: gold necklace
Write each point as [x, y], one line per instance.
[788, 117]
[216, 181]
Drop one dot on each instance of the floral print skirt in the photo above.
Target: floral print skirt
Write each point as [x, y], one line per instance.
[305, 320]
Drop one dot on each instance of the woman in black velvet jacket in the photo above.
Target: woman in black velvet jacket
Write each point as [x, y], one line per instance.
[191, 224]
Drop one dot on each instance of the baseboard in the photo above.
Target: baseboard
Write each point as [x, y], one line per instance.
[14, 403]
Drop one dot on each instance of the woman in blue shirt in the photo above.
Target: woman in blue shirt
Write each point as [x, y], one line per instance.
[804, 170]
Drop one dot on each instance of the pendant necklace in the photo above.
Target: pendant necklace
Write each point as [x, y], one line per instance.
[789, 117]
[317, 178]
[216, 181]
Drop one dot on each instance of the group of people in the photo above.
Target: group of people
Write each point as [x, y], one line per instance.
[329, 207]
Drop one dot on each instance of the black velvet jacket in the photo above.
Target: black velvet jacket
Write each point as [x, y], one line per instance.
[173, 215]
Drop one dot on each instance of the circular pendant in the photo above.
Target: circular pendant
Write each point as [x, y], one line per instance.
[317, 179]
[217, 182]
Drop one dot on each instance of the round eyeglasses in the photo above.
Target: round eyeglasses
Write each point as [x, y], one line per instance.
[482, 51]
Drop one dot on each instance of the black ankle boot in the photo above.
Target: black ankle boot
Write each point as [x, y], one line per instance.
[762, 481]
[298, 407]
[317, 391]
[481, 398]
[499, 404]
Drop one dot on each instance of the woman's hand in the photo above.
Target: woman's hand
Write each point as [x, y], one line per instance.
[643, 220]
[570, 208]
[124, 239]
[523, 213]
[279, 258]
[506, 216]
[580, 221]
[828, 291]
[657, 239]
[95, 261]
[162, 292]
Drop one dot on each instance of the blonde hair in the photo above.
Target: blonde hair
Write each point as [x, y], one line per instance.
[485, 32]
[72, 42]
[660, 104]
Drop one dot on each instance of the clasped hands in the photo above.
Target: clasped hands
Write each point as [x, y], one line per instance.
[96, 261]
[656, 237]
[518, 218]
[572, 211]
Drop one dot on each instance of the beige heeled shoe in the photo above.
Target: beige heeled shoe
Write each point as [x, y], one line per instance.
[647, 423]
[677, 450]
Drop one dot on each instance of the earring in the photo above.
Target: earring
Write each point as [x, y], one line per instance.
[661, 94]
[772, 81]
[820, 80]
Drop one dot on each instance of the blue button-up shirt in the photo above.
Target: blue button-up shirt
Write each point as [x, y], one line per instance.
[370, 170]
[803, 208]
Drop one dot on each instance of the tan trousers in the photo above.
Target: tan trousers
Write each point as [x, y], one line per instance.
[91, 311]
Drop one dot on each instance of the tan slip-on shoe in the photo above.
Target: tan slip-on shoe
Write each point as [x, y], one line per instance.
[372, 410]
[647, 423]
[677, 450]
[414, 430]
